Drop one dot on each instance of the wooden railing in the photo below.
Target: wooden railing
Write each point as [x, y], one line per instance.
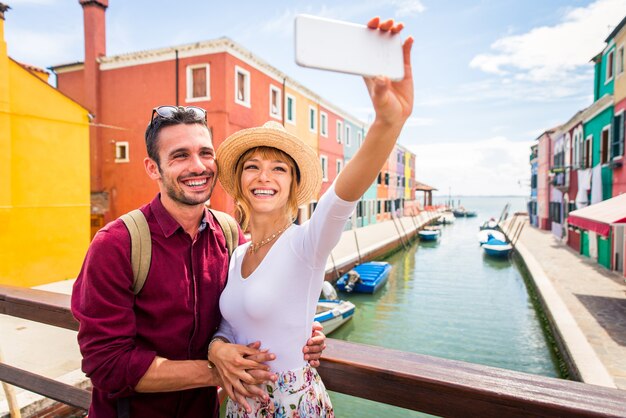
[428, 384]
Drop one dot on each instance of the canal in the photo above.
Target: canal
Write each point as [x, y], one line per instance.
[447, 299]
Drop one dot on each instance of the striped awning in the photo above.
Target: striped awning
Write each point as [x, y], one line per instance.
[599, 217]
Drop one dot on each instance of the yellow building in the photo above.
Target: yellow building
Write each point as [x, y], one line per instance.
[44, 177]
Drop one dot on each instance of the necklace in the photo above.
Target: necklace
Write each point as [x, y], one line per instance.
[254, 246]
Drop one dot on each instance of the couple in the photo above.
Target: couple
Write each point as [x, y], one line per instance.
[147, 354]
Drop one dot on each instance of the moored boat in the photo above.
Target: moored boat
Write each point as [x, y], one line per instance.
[365, 278]
[497, 248]
[490, 224]
[333, 313]
[426, 235]
[447, 218]
[487, 234]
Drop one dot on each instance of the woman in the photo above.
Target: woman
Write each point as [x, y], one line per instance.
[276, 278]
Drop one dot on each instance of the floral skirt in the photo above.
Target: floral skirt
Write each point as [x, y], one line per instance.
[297, 393]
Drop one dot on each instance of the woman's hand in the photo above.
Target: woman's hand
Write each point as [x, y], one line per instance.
[241, 368]
[315, 345]
[392, 100]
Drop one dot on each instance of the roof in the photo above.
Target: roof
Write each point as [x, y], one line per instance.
[615, 31]
[422, 187]
[218, 45]
[33, 68]
[599, 217]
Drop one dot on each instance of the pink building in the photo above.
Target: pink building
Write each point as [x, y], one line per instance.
[543, 179]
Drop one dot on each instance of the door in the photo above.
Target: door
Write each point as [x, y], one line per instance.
[618, 248]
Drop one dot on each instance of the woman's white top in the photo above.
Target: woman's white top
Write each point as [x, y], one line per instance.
[276, 303]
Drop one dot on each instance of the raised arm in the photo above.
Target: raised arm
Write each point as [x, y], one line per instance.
[393, 103]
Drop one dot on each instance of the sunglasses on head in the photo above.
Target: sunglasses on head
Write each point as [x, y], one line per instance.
[168, 112]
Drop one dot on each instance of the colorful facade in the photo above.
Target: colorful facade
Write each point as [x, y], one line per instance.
[532, 202]
[544, 149]
[586, 161]
[237, 89]
[44, 177]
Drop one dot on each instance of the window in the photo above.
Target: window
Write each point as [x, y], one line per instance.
[386, 179]
[242, 86]
[198, 83]
[605, 144]
[620, 60]
[291, 109]
[609, 66]
[324, 162]
[348, 134]
[380, 178]
[275, 102]
[378, 206]
[339, 131]
[617, 147]
[312, 119]
[587, 152]
[359, 138]
[578, 148]
[555, 212]
[339, 166]
[559, 156]
[323, 124]
[121, 152]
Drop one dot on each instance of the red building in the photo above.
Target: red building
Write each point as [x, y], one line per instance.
[543, 179]
[237, 89]
[331, 138]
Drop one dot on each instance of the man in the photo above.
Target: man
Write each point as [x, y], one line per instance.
[146, 354]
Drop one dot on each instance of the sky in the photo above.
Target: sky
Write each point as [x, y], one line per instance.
[490, 75]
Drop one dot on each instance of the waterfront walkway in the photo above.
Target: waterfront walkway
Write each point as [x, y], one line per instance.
[586, 302]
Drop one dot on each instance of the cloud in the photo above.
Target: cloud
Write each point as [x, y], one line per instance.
[493, 166]
[282, 23]
[408, 7]
[506, 90]
[554, 52]
[414, 121]
[33, 2]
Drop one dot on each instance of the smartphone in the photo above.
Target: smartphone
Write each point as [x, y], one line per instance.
[347, 47]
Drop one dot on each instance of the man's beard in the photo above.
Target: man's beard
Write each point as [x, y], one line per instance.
[179, 196]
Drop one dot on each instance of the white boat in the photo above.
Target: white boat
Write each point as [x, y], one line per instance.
[447, 218]
[498, 248]
[333, 313]
[426, 235]
[487, 234]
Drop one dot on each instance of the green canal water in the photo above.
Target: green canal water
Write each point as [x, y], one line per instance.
[447, 299]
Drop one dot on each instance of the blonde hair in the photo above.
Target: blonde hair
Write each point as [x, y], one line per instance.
[266, 153]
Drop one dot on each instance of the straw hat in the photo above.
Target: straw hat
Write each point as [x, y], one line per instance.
[271, 134]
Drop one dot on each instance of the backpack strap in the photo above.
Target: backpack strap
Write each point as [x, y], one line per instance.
[229, 227]
[140, 247]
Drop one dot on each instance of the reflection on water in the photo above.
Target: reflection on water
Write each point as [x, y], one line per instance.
[448, 300]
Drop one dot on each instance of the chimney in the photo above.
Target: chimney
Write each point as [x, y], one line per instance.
[3, 8]
[95, 47]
